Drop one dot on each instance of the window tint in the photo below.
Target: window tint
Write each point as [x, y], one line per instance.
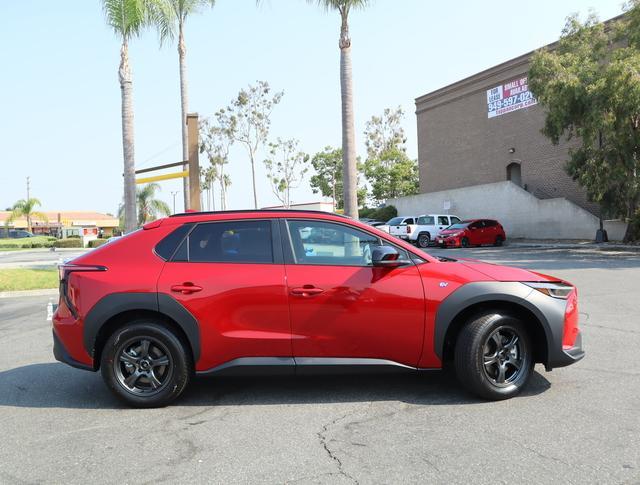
[316, 242]
[454, 220]
[459, 225]
[231, 242]
[488, 223]
[409, 220]
[426, 221]
[443, 221]
[166, 247]
[475, 225]
[395, 221]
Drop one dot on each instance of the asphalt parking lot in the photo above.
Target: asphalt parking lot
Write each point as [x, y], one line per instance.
[579, 424]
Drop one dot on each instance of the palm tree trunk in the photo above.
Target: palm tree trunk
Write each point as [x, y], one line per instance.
[126, 90]
[253, 178]
[184, 107]
[350, 174]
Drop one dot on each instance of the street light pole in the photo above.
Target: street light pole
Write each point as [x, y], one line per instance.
[174, 200]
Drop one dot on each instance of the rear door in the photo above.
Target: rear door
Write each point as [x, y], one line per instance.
[230, 276]
[343, 307]
[476, 233]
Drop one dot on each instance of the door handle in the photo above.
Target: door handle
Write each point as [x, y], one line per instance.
[306, 290]
[186, 288]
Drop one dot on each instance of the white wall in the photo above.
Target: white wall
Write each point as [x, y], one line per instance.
[522, 214]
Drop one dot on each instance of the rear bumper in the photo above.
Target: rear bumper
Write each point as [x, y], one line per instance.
[61, 355]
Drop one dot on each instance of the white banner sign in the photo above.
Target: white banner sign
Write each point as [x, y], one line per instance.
[511, 96]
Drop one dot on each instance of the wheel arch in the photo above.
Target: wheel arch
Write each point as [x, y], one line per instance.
[114, 311]
[479, 298]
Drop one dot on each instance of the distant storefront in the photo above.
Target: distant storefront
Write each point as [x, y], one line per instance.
[84, 224]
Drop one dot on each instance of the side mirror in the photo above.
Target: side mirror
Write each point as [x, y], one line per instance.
[386, 257]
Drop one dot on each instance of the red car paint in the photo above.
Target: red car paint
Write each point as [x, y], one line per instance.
[477, 232]
[294, 310]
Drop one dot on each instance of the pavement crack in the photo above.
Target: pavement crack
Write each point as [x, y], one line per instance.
[322, 436]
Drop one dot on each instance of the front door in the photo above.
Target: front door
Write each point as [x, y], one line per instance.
[342, 306]
[228, 276]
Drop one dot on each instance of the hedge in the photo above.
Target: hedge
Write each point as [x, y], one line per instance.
[381, 214]
[68, 243]
[97, 243]
[27, 242]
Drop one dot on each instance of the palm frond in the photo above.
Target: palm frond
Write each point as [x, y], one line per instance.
[126, 17]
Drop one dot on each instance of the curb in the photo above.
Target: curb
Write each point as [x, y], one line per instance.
[593, 246]
[16, 294]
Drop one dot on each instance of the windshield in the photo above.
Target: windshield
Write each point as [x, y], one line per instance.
[395, 221]
[460, 225]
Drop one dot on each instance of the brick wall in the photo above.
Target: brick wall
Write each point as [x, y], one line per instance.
[459, 146]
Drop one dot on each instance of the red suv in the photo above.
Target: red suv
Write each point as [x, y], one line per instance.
[475, 232]
[294, 292]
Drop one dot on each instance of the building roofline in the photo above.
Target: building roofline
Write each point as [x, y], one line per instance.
[491, 71]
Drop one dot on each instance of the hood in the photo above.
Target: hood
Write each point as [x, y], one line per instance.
[505, 273]
[451, 231]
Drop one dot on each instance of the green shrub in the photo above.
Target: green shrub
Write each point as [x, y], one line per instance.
[380, 214]
[68, 243]
[27, 242]
[73, 236]
[97, 243]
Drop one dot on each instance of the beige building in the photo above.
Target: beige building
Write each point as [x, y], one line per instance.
[85, 224]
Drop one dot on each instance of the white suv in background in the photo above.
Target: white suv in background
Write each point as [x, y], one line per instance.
[424, 228]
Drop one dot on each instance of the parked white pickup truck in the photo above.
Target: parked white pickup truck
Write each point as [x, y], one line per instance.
[424, 228]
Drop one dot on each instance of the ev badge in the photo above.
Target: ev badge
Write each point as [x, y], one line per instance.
[443, 284]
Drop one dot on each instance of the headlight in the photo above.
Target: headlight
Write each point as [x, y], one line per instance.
[555, 290]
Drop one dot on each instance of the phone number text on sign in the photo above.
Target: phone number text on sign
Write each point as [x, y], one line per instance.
[508, 97]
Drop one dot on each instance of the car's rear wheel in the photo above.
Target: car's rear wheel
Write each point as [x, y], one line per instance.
[145, 364]
[464, 242]
[498, 241]
[424, 240]
[494, 356]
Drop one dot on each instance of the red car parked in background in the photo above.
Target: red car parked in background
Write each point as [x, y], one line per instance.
[474, 232]
[295, 292]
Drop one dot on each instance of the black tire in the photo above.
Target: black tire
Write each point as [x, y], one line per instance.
[424, 239]
[157, 375]
[464, 242]
[479, 358]
[498, 241]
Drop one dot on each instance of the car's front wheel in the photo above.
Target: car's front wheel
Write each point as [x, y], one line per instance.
[464, 242]
[145, 364]
[494, 356]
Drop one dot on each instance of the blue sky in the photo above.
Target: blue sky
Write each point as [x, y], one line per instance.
[60, 98]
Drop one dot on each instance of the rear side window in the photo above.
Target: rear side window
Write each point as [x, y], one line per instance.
[409, 220]
[490, 223]
[231, 242]
[167, 246]
[443, 220]
[426, 221]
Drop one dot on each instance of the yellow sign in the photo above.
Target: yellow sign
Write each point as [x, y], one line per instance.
[166, 176]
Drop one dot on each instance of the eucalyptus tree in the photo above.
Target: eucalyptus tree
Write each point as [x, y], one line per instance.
[127, 18]
[215, 144]
[26, 208]
[170, 17]
[247, 120]
[286, 167]
[350, 174]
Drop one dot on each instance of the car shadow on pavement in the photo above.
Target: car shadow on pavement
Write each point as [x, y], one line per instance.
[55, 385]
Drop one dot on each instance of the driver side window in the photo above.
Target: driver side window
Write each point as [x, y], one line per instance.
[318, 242]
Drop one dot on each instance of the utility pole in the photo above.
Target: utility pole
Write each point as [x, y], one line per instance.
[174, 200]
[28, 196]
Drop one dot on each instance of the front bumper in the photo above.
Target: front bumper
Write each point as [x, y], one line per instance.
[447, 241]
[569, 355]
[61, 355]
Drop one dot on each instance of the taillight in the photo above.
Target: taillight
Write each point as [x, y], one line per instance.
[64, 270]
[408, 229]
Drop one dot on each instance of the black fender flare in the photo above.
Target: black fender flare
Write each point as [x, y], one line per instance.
[492, 291]
[117, 303]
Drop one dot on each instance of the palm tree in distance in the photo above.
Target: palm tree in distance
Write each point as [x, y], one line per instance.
[25, 208]
[350, 173]
[169, 16]
[127, 18]
[149, 208]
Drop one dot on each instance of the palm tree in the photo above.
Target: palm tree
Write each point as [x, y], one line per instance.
[25, 208]
[346, 87]
[149, 208]
[169, 16]
[127, 18]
